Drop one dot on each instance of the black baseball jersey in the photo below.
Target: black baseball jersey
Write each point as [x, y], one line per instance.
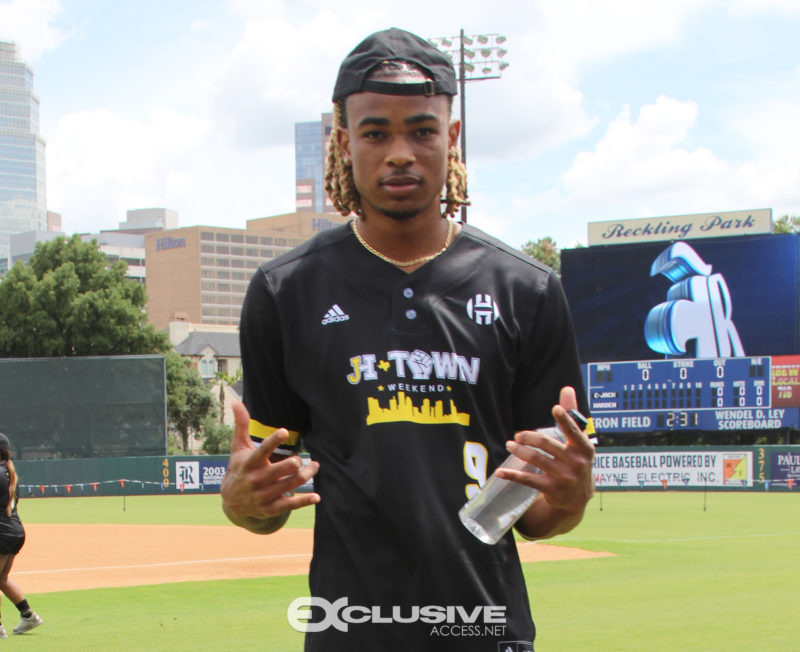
[405, 388]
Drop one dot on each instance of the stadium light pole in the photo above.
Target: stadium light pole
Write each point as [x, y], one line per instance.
[476, 58]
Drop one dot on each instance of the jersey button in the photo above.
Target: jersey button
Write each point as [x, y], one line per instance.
[411, 314]
[408, 293]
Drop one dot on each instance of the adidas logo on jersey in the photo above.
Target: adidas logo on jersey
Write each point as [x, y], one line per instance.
[334, 314]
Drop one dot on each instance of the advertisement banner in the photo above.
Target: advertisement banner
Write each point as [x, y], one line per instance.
[784, 465]
[674, 469]
[786, 381]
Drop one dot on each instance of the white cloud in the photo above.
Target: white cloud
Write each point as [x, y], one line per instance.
[226, 152]
[278, 74]
[583, 32]
[746, 8]
[29, 24]
[767, 118]
[641, 166]
[256, 8]
[772, 133]
[284, 64]
[100, 165]
[645, 161]
[645, 165]
[528, 111]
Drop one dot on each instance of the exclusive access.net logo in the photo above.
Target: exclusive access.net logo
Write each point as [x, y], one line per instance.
[315, 614]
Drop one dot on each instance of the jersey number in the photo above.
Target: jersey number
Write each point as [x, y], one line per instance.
[476, 459]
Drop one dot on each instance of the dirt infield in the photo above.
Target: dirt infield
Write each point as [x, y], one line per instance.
[71, 557]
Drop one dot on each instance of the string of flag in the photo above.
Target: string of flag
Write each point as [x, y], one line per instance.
[86, 488]
[91, 488]
[779, 482]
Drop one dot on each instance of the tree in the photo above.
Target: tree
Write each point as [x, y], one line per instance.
[216, 437]
[546, 251]
[69, 301]
[189, 400]
[786, 224]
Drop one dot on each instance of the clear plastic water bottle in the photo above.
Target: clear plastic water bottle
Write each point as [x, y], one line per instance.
[500, 503]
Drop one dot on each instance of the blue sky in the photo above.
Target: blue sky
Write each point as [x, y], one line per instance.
[610, 109]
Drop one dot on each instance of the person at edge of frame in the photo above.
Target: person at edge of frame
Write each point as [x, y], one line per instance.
[12, 538]
[403, 350]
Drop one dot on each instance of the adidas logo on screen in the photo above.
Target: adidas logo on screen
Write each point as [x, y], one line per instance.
[334, 314]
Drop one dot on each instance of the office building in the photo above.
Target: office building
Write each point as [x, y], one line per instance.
[200, 273]
[310, 156]
[23, 199]
[149, 219]
[126, 244]
[22, 245]
[116, 245]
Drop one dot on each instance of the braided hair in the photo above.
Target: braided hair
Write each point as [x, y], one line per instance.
[339, 182]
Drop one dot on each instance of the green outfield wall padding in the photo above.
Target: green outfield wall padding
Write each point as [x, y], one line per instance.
[104, 406]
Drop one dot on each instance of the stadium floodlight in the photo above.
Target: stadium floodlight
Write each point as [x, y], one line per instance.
[472, 65]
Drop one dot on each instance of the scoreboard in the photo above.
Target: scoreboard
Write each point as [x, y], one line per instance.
[685, 394]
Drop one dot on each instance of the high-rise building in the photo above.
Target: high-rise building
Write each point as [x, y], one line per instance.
[126, 244]
[310, 155]
[23, 196]
[200, 273]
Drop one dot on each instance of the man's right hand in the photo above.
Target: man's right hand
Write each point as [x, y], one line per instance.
[257, 493]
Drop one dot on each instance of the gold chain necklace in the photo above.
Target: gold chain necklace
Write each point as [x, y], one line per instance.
[406, 263]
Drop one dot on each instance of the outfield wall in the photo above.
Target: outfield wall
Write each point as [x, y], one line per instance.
[718, 468]
[721, 468]
[121, 476]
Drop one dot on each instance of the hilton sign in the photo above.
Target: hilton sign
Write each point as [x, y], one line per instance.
[166, 242]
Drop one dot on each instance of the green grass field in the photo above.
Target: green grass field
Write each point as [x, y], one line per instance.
[683, 578]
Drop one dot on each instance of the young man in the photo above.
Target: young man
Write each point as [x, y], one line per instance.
[404, 351]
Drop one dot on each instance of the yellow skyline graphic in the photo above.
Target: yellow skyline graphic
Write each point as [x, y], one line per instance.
[402, 408]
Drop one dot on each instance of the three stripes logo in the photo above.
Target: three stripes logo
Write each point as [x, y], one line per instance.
[334, 314]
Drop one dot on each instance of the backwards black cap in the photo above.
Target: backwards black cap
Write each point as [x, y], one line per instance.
[4, 443]
[395, 45]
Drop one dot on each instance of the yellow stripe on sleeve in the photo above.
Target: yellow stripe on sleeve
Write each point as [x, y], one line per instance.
[260, 432]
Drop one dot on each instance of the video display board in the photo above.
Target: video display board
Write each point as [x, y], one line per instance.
[718, 297]
[689, 335]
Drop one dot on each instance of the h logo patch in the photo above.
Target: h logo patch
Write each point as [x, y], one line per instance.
[483, 310]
